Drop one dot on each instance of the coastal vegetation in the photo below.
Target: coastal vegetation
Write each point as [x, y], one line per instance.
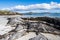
[6, 12]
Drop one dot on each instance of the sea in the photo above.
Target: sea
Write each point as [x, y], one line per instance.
[43, 15]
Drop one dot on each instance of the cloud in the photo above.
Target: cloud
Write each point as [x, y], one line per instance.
[42, 6]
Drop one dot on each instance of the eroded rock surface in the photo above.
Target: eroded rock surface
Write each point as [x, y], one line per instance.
[39, 37]
[16, 28]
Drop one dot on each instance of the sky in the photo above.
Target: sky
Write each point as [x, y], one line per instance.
[30, 5]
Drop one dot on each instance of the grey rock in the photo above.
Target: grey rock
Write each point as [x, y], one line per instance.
[41, 27]
[39, 37]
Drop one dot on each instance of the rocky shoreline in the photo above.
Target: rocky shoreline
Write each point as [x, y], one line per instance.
[28, 30]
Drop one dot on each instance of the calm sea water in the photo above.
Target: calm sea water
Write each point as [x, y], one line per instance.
[43, 14]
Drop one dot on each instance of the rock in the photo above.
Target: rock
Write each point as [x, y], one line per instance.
[51, 36]
[5, 29]
[27, 36]
[17, 34]
[41, 27]
[19, 27]
[39, 37]
[17, 30]
[3, 21]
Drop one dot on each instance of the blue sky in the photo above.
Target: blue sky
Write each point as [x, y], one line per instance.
[13, 3]
[10, 3]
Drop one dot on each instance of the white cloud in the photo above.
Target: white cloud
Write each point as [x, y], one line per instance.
[42, 6]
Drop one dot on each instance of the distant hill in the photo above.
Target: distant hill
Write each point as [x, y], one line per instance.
[5, 12]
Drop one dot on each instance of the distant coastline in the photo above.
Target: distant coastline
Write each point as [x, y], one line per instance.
[5, 12]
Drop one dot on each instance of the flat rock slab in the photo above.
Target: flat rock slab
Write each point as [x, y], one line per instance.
[51, 36]
[27, 36]
[5, 29]
[39, 37]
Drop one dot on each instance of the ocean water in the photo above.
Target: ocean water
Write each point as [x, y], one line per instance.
[43, 15]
